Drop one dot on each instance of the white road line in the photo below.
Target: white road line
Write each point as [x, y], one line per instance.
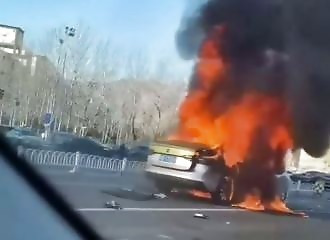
[83, 184]
[301, 190]
[164, 236]
[161, 209]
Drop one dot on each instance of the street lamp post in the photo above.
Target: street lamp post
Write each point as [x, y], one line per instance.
[68, 32]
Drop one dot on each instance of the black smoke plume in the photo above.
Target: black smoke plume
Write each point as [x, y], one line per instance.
[286, 42]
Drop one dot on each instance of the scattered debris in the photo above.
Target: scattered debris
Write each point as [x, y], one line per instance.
[200, 215]
[113, 204]
[159, 195]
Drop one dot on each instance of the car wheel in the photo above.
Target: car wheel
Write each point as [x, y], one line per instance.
[162, 187]
[319, 186]
[223, 195]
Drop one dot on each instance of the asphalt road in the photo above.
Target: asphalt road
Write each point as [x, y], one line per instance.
[144, 217]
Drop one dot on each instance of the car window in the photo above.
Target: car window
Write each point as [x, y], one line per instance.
[12, 133]
[49, 220]
[20, 132]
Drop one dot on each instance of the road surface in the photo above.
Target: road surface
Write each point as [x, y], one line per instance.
[146, 218]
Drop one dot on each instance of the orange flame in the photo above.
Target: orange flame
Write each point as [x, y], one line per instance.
[254, 126]
[251, 202]
[200, 194]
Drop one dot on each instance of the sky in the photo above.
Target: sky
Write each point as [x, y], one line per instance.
[147, 25]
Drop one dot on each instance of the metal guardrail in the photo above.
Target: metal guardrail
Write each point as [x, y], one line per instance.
[78, 160]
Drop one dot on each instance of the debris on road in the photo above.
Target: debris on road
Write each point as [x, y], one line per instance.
[200, 215]
[159, 195]
[113, 204]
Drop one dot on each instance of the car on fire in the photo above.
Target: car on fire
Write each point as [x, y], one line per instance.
[178, 164]
[185, 165]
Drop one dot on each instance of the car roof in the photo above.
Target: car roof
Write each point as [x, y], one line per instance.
[180, 143]
[63, 134]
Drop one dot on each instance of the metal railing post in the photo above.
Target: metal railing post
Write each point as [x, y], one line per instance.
[76, 163]
[78, 160]
[298, 185]
[123, 166]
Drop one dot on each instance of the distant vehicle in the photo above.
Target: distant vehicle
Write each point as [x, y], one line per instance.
[312, 177]
[59, 141]
[67, 142]
[23, 137]
[20, 132]
[177, 164]
[138, 153]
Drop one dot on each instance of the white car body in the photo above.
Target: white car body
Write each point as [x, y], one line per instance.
[175, 170]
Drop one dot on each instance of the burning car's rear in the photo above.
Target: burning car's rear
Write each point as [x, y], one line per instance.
[178, 164]
[186, 165]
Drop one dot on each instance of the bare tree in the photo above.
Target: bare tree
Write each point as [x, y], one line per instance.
[94, 87]
[136, 65]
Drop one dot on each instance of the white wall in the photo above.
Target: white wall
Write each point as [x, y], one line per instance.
[7, 50]
[7, 36]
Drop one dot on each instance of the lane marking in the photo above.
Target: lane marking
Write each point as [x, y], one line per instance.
[83, 184]
[162, 209]
[301, 190]
[180, 210]
[164, 236]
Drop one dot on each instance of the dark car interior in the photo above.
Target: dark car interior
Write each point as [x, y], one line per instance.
[37, 200]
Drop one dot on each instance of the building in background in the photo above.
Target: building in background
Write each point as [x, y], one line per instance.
[22, 73]
[11, 39]
[15, 57]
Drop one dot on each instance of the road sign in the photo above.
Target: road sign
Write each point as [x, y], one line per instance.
[48, 119]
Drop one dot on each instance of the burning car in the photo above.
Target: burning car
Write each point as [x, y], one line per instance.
[194, 166]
